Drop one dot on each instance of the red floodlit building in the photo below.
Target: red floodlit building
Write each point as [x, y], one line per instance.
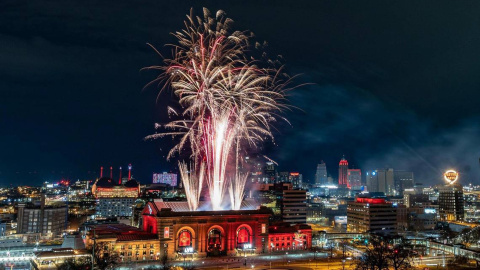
[282, 236]
[372, 215]
[212, 233]
[343, 173]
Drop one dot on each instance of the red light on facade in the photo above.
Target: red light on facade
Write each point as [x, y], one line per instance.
[294, 174]
[370, 200]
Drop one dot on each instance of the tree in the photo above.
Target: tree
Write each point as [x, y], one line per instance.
[384, 252]
[400, 256]
[104, 257]
[74, 264]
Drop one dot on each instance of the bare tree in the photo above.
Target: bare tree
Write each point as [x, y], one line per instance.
[386, 252]
[104, 257]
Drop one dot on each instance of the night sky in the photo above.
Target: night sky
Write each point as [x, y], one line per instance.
[393, 84]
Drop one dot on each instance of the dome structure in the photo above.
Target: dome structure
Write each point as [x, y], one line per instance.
[132, 183]
[105, 182]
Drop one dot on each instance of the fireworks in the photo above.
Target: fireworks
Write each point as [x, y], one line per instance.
[227, 100]
[192, 182]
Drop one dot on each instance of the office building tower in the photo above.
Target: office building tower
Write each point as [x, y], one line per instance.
[381, 180]
[321, 177]
[296, 179]
[354, 177]
[402, 180]
[343, 173]
[450, 203]
[373, 215]
[294, 206]
[50, 221]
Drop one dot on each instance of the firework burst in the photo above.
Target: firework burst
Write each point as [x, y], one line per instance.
[227, 100]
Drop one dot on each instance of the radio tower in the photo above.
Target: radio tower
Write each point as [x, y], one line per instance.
[111, 172]
[120, 178]
[129, 171]
[101, 172]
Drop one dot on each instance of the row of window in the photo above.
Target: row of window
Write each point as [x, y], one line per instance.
[137, 253]
[136, 246]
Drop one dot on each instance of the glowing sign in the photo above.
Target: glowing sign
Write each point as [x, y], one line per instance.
[264, 228]
[450, 176]
[166, 232]
[294, 174]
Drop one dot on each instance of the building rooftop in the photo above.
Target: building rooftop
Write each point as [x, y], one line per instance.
[121, 232]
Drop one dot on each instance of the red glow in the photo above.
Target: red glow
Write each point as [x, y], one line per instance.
[243, 236]
[185, 239]
[370, 200]
[294, 174]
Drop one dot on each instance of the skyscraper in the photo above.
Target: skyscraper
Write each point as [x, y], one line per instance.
[450, 203]
[343, 173]
[381, 180]
[403, 180]
[354, 178]
[321, 175]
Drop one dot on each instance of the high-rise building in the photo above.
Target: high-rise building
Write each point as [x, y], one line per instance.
[381, 180]
[165, 178]
[294, 206]
[403, 180]
[47, 220]
[373, 215]
[270, 171]
[114, 200]
[450, 203]
[296, 179]
[321, 177]
[354, 178]
[343, 173]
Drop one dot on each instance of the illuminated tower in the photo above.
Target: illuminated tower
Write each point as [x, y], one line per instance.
[101, 172]
[111, 172]
[120, 178]
[129, 171]
[343, 173]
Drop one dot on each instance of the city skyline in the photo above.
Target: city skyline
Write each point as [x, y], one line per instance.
[74, 101]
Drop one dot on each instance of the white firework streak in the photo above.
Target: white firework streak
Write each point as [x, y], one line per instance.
[193, 182]
[236, 190]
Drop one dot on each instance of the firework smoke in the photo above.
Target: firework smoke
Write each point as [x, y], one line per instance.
[226, 100]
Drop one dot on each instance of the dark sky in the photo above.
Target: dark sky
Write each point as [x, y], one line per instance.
[395, 83]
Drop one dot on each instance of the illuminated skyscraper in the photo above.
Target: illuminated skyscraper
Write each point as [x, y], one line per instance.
[343, 173]
[321, 175]
[354, 178]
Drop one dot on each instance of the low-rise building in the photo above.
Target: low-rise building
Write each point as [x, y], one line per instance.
[282, 236]
[127, 242]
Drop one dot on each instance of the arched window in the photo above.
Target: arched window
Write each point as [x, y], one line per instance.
[243, 237]
[185, 239]
[214, 239]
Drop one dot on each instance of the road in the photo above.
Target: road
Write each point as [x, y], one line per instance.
[261, 261]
